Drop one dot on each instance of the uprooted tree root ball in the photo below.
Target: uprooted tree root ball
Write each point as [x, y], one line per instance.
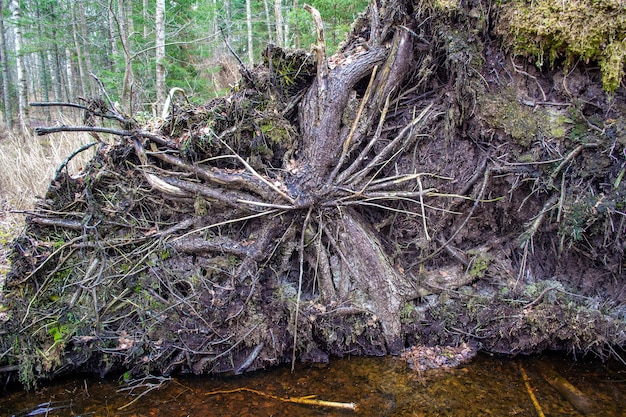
[421, 186]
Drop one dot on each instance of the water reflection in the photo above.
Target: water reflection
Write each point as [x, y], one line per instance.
[487, 386]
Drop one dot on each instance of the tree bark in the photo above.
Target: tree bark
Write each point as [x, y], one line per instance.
[250, 38]
[70, 86]
[268, 21]
[6, 95]
[84, 39]
[278, 17]
[22, 82]
[78, 48]
[160, 54]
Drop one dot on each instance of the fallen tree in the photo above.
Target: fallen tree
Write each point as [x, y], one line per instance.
[421, 186]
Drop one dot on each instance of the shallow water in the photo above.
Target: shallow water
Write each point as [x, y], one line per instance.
[486, 386]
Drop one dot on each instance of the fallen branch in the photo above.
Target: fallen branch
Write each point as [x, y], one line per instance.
[531, 394]
[307, 400]
[41, 131]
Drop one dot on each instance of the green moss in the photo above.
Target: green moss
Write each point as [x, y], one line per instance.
[547, 30]
[480, 263]
[503, 110]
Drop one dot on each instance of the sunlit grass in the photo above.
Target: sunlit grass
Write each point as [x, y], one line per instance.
[28, 164]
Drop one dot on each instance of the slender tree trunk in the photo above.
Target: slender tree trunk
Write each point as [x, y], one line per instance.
[55, 74]
[160, 53]
[115, 52]
[229, 17]
[128, 80]
[83, 88]
[268, 21]
[22, 82]
[70, 88]
[6, 94]
[43, 67]
[43, 81]
[297, 28]
[146, 28]
[86, 55]
[278, 17]
[250, 40]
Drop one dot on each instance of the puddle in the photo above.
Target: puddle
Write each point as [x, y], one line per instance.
[486, 386]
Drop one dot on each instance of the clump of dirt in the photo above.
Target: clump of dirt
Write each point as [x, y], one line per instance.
[422, 187]
[422, 358]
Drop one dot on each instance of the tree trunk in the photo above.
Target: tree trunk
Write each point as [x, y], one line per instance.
[128, 79]
[278, 17]
[160, 54]
[268, 21]
[84, 40]
[83, 84]
[70, 86]
[55, 74]
[250, 38]
[22, 82]
[6, 82]
[146, 15]
[113, 35]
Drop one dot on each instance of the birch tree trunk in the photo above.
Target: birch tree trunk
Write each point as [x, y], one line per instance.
[146, 28]
[113, 35]
[89, 81]
[70, 88]
[268, 21]
[278, 16]
[297, 29]
[250, 40]
[22, 86]
[160, 53]
[6, 97]
[83, 88]
[127, 82]
[55, 74]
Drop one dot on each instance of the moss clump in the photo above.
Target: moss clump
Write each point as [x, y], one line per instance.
[547, 30]
[502, 110]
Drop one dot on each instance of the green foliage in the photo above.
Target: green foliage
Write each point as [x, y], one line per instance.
[547, 30]
[479, 264]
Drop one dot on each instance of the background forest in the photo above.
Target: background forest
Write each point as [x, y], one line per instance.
[139, 49]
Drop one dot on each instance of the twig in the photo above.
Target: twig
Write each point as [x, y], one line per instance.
[149, 387]
[355, 124]
[571, 156]
[421, 197]
[300, 277]
[529, 389]
[369, 146]
[108, 115]
[71, 156]
[384, 154]
[467, 218]
[307, 400]
[242, 66]
[534, 226]
[41, 131]
[239, 219]
[259, 176]
[251, 357]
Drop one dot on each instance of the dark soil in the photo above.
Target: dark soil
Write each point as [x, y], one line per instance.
[427, 189]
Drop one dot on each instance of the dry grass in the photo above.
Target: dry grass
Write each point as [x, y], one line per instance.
[28, 164]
